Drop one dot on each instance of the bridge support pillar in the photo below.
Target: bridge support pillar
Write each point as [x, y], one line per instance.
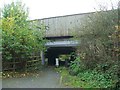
[42, 58]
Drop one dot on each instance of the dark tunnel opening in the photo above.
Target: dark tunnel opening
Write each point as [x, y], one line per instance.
[54, 52]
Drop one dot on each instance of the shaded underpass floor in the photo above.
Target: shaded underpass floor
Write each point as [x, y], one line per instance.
[47, 78]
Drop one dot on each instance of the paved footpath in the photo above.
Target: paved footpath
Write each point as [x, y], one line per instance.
[47, 78]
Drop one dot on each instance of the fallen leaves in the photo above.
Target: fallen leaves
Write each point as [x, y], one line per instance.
[19, 74]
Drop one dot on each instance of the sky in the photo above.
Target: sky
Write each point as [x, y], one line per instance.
[39, 9]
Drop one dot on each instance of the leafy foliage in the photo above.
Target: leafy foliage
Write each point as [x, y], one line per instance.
[64, 57]
[87, 79]
[75, 66]
[98, 52]
[97, 43]
[18, 38]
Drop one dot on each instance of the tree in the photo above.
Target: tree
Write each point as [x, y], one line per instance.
[19, 40]
[98, 49]
[96, 37]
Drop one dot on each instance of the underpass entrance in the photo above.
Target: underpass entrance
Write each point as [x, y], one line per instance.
[57, 46]
[54, 52]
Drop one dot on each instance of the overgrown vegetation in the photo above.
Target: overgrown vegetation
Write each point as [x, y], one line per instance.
[98, 55]
[20, 39]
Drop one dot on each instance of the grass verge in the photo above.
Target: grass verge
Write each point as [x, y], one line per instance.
[87, 79]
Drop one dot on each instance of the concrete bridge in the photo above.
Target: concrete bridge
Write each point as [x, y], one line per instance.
[63, 25]
[60, 30]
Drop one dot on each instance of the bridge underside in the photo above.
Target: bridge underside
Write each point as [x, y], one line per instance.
[54, 52]
[59, 46]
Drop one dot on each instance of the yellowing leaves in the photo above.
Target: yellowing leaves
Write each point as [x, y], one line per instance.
[8, 25]
[117, 27]
[11, 8]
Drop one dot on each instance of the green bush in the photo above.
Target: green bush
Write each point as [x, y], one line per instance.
[98, 49]
[95, 79]
[76, 66]
[19, 38]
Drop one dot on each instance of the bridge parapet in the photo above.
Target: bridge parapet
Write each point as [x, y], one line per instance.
[63, 25]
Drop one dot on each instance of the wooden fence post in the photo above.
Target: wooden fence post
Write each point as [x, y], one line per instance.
[14, 65]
